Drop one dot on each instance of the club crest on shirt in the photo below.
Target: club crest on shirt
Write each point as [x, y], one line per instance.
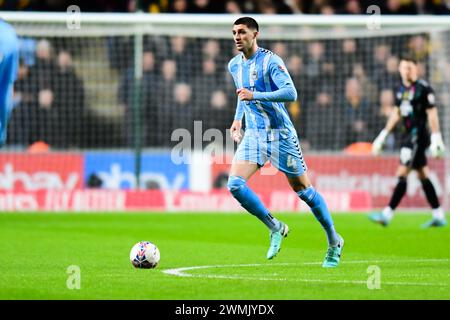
[431, 99]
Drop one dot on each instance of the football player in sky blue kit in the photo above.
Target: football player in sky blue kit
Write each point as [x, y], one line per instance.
[263, 85]
[9, 64]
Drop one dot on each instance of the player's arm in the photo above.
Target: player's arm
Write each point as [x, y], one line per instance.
[236, 126]
[285, 86]
[392, 121]
[437, 146]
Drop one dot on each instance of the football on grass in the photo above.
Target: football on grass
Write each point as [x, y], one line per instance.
[144, 255]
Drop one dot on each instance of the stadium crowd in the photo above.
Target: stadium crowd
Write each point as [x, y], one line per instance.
[345, 85]
[344, 90]
[238, 6]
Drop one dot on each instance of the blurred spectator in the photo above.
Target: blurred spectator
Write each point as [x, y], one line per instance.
[266, 7]
[120, 52]
[327, 10]
[317, 5]
[19, 124]
[421, 70]
[367, 86]
[178, 6]
[69, 98]
[155, 6]
[42, 73]
[280, 48]
[40, 87]
[219, 111]
[295, 66]
[392, 77]
[320, 71]
[296, 6]
[232, 7]
[352, 7]
[148, 102]
[387, 77]
[45, 124]
[381, 53]
[397, 7]
[165, 89]
[419, 48]
[211, 50]
[285, 7]
[357, 113]
[314, 60]
[322, 129]
[423, 7]
[346, 57]
[181, 115]
[204, 84]
[206, 6]
[183, 56]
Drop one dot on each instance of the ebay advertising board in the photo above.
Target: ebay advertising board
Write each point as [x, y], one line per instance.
[59, 182]
[117, 171]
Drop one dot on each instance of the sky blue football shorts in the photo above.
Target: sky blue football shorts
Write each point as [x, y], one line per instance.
[284, 154]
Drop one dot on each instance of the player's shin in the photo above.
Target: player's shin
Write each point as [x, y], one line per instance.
[320, 210]
[430, 193]
[250, 201]
[399, 192]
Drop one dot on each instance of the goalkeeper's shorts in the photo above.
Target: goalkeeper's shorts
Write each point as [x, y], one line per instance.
[284, 154]
[413, 155]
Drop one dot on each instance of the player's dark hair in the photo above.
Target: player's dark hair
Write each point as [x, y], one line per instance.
[249, 22]
[408, 58]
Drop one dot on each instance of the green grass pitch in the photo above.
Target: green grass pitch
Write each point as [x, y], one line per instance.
[36, 250]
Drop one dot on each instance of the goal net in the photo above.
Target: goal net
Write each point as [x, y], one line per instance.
[99, 100]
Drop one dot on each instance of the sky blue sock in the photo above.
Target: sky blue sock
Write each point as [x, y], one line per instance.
[318, 206]
[250, 201]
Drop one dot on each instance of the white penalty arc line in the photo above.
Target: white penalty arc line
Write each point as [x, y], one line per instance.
[181, 272]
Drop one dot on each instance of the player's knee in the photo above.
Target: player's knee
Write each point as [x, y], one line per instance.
[402, 180]
[425, 181]
[235, 184]
[309, 195]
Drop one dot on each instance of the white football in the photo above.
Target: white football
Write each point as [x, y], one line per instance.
[145, 255]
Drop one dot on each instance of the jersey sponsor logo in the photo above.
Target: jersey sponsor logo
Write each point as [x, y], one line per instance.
[255, 75]
[406, 108]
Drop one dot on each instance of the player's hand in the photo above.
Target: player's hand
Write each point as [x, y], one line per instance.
[235, 131]
[437, 146]
[378, 143]
[244, 94]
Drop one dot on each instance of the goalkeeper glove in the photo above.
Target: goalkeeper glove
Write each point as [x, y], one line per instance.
[437, 146]
[378, 143]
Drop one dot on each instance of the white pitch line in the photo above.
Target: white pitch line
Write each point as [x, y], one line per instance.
[181, 272]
